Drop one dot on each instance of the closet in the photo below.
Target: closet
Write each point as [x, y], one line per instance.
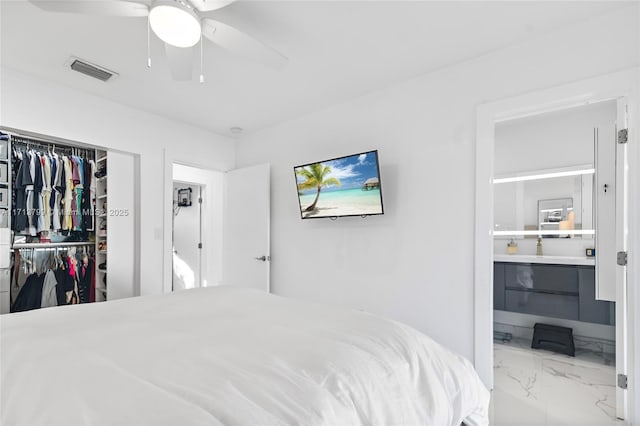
[54, 223]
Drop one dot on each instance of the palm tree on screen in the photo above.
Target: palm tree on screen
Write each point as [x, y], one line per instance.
[314, 176]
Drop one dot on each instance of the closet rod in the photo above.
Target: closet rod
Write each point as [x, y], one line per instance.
[49, 245]
[48, 145]
[37, 137]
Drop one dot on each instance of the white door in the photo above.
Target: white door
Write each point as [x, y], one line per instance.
[621, 247]
[605, 195]
[121, 225]
[246, 237]
[611, 225]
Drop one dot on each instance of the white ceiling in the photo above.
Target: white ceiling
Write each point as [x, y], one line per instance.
[337, 50]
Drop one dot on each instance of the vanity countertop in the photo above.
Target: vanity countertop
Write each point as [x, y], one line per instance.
[555, 260]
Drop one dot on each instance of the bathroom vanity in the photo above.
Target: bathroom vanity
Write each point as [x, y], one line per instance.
[551, 286]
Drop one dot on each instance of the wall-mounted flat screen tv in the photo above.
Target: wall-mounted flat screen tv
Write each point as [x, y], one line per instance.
[345, 186]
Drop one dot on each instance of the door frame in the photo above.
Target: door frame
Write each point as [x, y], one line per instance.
[172, 157]
[602, 88]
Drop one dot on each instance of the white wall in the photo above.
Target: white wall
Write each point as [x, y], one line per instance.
[415, 263]
[552, 140]
[122, 223]
[28, 103]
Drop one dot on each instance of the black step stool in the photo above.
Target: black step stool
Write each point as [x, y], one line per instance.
[553, 338]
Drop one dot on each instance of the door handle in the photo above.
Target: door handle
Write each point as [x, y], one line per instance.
[263, 258]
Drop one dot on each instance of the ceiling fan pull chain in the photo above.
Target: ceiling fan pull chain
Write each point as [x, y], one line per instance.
[201, 61]
[148, 42]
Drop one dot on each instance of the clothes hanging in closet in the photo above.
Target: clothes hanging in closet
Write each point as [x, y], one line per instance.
[46, 192]
[88, 194]
[57, 192]
[68, 195]
[49, 295]
[53, 193]
[21, 179]
[84, 279]
[69, 279]
[30, 296]
[37, 221]
[65, 286]
[19, 276]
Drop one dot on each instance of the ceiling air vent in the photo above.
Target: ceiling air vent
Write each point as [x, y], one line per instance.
[91, 70]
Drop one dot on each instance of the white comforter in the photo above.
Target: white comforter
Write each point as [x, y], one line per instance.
[228, 356]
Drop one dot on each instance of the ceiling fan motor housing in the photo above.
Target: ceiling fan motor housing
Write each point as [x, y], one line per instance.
[175, 23]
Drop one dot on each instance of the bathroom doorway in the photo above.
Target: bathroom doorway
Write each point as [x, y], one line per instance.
[187, 235]
[196, 224]
[554, 317]
[625, 218]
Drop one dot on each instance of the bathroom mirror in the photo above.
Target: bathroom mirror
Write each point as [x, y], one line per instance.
[550, 203]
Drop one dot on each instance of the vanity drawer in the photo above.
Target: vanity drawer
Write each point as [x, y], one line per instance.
[592, 310]
[546, 304]
[549, 278]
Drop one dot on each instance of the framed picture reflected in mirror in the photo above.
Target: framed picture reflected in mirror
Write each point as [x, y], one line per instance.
[556, 215]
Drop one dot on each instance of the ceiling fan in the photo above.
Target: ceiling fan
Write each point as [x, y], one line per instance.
[181, 24]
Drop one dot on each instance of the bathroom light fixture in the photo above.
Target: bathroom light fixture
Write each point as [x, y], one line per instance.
[546, 232]
[175, 23]
[554, 210]
[545, 176]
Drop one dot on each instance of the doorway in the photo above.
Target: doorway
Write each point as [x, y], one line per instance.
[196, 227]
[554, 297]
[187, 235]
[621, 88]
[235, 223]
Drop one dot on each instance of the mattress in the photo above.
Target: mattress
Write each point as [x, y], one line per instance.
[228, 356]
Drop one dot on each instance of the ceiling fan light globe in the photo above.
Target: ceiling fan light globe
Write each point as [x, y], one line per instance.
[175, 25]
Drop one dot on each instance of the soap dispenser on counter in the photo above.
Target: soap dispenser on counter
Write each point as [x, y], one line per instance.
[512, 247]
[539, 247]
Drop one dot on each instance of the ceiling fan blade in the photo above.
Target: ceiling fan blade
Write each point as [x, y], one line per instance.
[94, 7]
[209, 5]
[180, 60]
[241, 44]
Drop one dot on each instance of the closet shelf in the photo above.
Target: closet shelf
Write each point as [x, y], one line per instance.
[47, 245]
[101, 159]
[100, 197]
[104, 271]
[102, 251]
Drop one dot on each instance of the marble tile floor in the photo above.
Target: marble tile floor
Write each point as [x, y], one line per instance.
[537, 387]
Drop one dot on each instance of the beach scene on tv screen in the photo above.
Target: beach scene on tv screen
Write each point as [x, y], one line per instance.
[342, 187]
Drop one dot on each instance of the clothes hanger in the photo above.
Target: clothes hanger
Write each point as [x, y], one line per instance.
[26, 257]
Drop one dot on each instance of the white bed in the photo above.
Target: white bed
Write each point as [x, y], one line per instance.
[228, 356]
